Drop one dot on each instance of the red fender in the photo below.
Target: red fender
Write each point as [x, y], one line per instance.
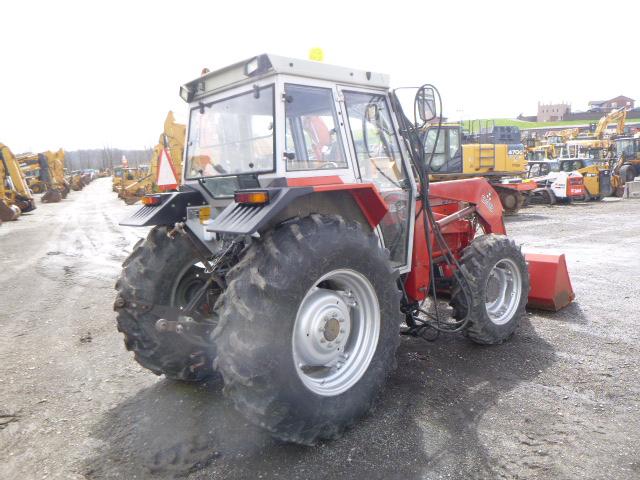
[366, 195]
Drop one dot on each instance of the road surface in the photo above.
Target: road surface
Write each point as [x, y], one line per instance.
[560, 400]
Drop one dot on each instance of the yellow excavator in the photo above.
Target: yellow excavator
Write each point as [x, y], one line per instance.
[497, 155]
[43, 174]
[172, 140]
[56, 164]
[15, 195]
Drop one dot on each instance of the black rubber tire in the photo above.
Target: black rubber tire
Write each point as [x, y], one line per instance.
[478, 259]
[627, 174]
[257, 314]
[511, 201]
[148, 277]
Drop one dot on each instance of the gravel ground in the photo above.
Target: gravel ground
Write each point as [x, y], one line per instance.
[560, 400]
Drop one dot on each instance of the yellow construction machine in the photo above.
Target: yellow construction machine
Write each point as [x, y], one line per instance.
[542, 152]
[626, 162]
[123, 177]
[15, 195]
[171, 141]
[75, 180]
[44, 173]
[495, 153]
[592, 155]
[56, 164]
[598, 138]
[558, 138]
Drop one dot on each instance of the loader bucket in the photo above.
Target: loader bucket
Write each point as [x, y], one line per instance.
[550, 284]
[51, 196]
[8, 212]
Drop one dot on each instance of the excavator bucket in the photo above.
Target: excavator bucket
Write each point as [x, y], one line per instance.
[8, 212]
[550, 284]
[51, 196]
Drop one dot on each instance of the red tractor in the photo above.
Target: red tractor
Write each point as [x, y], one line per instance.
[304, 234]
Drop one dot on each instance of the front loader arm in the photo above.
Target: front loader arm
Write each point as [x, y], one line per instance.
[477, 192]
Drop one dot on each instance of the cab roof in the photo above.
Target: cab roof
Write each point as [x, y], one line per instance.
[265, 65]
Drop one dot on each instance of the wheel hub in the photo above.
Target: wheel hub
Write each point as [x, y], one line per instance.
[324, 326]
[503, 291]
[336, 332]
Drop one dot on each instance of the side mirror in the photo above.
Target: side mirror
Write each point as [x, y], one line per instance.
[426, 103]
[372, 113]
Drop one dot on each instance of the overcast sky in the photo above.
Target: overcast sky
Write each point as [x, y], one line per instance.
[89, 74]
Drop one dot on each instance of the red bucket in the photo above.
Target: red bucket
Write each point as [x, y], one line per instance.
[550, 284]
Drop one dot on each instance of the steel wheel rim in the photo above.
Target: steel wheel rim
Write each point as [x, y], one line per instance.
[503, 292]
[336, 332]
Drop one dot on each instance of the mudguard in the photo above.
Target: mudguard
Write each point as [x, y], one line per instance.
[172, 209]
[242, 219]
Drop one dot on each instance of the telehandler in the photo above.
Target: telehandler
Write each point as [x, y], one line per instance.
[300, 240]
[15, 195]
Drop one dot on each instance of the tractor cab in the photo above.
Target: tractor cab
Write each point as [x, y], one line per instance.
[256, 123]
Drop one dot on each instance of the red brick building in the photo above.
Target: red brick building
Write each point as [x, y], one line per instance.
[605, 106]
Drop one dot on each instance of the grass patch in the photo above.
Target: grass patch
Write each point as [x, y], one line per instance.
[512, 122]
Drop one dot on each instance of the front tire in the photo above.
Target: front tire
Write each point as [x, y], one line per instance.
[499, 285]
[309, 326]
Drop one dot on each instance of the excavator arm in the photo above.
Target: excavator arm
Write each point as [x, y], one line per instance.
[619, 116]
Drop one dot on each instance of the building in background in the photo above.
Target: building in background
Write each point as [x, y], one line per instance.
[605, 106]
[552, 112]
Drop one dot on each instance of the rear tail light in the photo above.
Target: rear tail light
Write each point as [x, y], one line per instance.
[204, 214]
[259, 197]
[151, 200]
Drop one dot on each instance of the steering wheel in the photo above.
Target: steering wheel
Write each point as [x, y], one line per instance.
[330, 165]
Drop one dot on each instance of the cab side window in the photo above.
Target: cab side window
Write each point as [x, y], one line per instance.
[312, 138]
[380, 162]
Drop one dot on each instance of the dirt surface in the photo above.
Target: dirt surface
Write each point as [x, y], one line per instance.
[560, 400]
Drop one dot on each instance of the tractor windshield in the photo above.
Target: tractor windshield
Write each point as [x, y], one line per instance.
[232, 136]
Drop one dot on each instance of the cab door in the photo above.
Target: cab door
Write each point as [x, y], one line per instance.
[373, 141]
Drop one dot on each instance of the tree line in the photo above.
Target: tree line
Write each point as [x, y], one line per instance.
[101, 158]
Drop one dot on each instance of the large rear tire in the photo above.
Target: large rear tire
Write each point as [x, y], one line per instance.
[309, 326]
[161, 271]
[499, 283]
